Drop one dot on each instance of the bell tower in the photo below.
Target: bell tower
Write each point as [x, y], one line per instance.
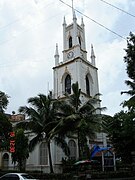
[75, 67]
[73, 40]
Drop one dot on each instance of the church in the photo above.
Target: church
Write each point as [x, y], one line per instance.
[75, 67]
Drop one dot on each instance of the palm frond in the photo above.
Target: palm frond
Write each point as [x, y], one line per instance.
[35, 141]
[60, 141]
[129, 103]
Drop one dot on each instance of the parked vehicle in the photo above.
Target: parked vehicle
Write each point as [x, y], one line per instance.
[17, 176]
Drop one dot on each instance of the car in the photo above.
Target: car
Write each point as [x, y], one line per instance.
[16, 176]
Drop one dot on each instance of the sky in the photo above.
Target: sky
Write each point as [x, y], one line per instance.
[30, 29]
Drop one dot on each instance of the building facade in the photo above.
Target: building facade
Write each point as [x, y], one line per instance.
[75, 67]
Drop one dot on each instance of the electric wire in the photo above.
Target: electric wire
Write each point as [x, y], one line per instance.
[9, 64]
[95, 21]
[118, 8]
[19, 19]
[14, 21]
[28, 29]
[53, 16]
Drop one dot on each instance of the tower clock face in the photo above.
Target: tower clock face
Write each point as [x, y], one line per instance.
[70, 54]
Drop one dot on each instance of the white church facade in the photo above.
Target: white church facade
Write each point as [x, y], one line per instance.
[75, 67]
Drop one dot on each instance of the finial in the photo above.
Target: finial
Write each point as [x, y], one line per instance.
[56, 56]
[74, 16]
[56, 51]
[92, 55]
[73, 12]
[64, 22]
[82, 23]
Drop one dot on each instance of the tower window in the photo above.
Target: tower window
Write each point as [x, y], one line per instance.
[87, 86]
[79, 38]
[68, 84]
[70, 42]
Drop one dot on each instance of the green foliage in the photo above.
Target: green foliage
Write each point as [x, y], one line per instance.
[5, 129]
[121, 127]
[56, 119]
[3, 101]
[130, 67]
[80, 119]
[44, 116]
[121, 131]
[21, 149]
[130, 56]
[75, 97]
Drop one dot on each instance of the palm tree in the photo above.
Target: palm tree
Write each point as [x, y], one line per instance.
[79, 118]
[43, 117]
[3, 101]
[130, 103]
[129, 59]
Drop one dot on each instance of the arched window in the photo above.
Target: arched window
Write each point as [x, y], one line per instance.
[87, 86]
[70, 42]
[72, 148]
[68, 84]
[5, 160]
[79, 38]
[43, 154]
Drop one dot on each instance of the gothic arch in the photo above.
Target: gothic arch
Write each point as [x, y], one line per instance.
[5, 160]
[73, 149]
[88, 82]
[43, 153]
[87, 86]
[80, 41]
[70, 42]
[66, 83]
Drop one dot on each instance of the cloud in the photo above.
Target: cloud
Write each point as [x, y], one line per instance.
[29, 31]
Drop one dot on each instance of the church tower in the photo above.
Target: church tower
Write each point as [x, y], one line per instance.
[75, 66]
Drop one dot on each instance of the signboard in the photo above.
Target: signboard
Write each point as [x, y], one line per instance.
[12, 142]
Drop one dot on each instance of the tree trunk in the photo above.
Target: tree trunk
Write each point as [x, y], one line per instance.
[50, 157]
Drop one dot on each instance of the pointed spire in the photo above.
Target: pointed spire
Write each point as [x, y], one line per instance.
[92, 56]
[74, 16]
[56, 51]
[64, 21]
[56, 56]
[82, 23]
[75, 29]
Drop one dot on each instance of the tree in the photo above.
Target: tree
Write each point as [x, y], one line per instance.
[121, 127]
[121, 131]
[3, 101]
[130, 62]
[43, 117]
[80, 119]
[130, 56]
[21, 149]
[5, 129]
